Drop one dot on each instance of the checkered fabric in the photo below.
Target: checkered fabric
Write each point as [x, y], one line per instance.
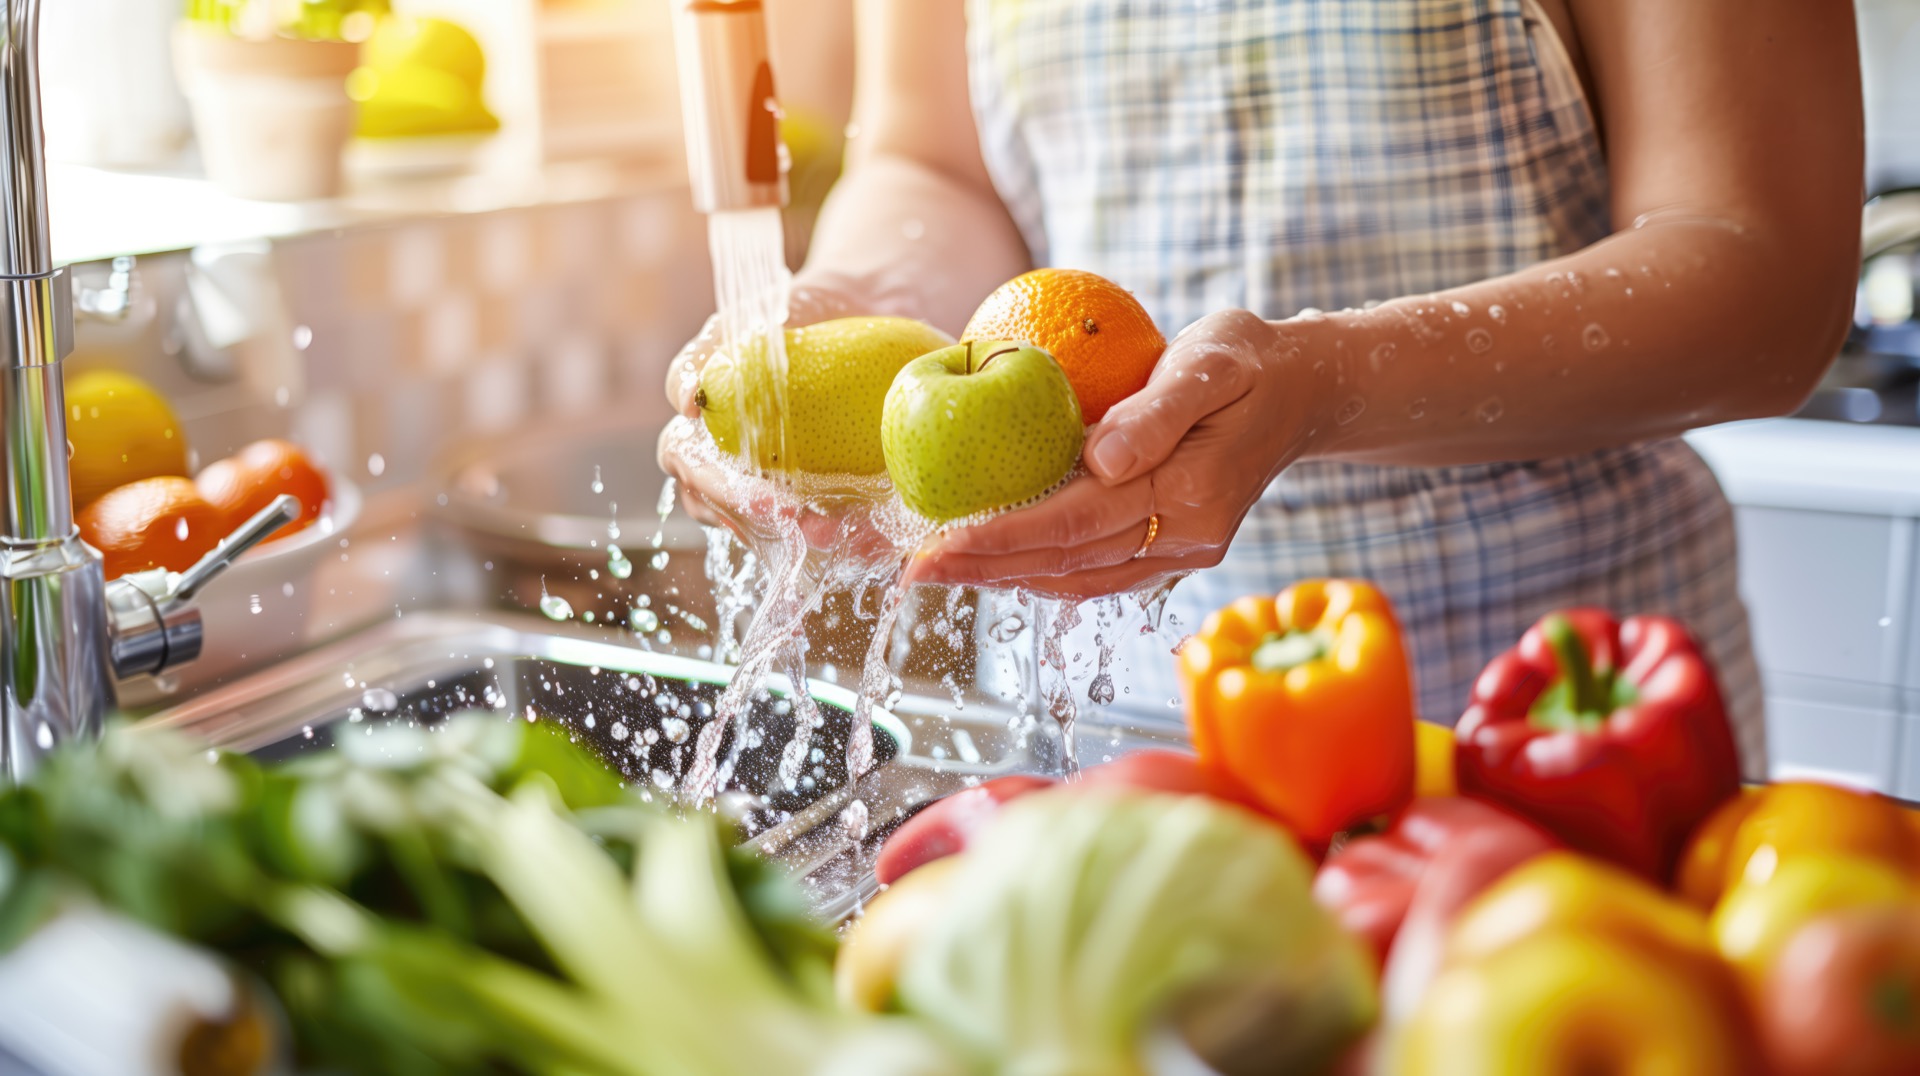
[1282, 154]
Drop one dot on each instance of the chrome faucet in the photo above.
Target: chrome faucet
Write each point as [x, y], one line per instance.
[65, 633]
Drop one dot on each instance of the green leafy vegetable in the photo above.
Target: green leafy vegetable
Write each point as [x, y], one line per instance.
[482, 897]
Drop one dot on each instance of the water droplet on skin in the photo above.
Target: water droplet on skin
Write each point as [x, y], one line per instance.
[1202, 375]
[1417, 409]
[1311, 313]
[1491, 411]
[1350, 411]
[596, 485]
[1479, 341]
[1498, 313]
[1382, 355]
[1461, 308]
[180, 529]
[1595, 338]
[1613, 274]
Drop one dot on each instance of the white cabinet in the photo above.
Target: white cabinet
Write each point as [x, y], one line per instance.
[1827, 516]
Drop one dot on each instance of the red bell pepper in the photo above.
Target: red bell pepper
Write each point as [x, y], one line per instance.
[1610, 734]
[1370, 883]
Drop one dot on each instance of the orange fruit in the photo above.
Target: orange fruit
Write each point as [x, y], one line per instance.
[152, 523]
[1097, 331]
[251, 478]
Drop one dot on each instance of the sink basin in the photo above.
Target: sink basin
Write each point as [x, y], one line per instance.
[640, 711]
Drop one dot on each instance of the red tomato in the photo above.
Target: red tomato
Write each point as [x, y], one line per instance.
[944, 828]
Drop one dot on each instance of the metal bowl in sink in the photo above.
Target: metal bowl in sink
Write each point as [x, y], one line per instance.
[421, 669]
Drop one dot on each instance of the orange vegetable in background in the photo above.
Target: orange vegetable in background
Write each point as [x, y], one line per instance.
[1095, 329]
[1306, 701]
[1756, 832]
[153, 523]
[251, 478]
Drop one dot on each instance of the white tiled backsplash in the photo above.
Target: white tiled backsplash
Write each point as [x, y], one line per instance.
[420, 333]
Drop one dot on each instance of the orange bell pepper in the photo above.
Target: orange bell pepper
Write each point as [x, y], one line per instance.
[1306, 702]
[1791, 819]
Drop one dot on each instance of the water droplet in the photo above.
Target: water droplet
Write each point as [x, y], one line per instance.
[1417, 409]
[1595, 338]
[1491, 411]
[1381, 355]
[674, 729]
[1479, 341]
[1007, 629]
[553, 606]
[180, 529]
[618, 565]
[302, 337]
[659, 560]
[1100, 691]
[1350, 410]
[1613, 274]
[1311, 313]
[379, 700]
[44, 737]
[376, 465]
[1498, 313]
[596, 485]
[1461, 309]
[1202, 375]
[643, 620]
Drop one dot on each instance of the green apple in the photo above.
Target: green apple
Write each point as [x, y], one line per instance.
[980, 426]
[837, 377]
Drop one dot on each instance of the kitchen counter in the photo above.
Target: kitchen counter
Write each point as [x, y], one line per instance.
[1827, 515]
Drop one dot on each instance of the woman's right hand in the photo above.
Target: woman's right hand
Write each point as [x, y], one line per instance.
[711, 494]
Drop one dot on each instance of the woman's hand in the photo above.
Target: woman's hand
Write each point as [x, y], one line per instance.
[1234, 400]
[707, 492]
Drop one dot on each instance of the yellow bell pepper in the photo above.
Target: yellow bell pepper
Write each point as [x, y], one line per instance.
[1752, 834]
[1433, 760]
[1307, 702]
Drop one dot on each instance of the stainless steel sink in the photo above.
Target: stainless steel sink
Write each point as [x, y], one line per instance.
[640, 711]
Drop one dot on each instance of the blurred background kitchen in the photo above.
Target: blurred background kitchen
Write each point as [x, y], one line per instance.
[446, 248]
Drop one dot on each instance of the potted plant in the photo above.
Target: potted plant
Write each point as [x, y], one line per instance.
[266, 82]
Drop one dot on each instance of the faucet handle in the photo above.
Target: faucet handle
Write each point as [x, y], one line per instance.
[152, 623]
[284, 510]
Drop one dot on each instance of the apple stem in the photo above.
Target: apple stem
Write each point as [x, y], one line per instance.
[969, 356]
[990, 358]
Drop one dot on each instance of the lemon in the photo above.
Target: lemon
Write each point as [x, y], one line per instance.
[838, 373]
[122, 431]
[414, 100]
[400, 41]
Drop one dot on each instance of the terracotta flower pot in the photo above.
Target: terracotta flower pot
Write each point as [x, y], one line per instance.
[272, 116]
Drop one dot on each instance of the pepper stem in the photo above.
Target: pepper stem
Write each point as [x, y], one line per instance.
[1586, 692]
[1281, 651]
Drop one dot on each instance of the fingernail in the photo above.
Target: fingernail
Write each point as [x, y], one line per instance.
[1111, 456]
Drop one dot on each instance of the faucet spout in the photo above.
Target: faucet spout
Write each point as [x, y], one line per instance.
[24, 247]
[734, 155]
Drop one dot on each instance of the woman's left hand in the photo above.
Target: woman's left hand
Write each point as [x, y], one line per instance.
[1230, 405]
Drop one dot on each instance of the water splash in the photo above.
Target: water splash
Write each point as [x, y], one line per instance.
[553, 606]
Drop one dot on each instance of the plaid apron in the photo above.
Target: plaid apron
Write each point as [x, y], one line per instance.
[1282, 154]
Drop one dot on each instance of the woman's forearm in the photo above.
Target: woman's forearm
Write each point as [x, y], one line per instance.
[901, 237]
[1680, 322]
